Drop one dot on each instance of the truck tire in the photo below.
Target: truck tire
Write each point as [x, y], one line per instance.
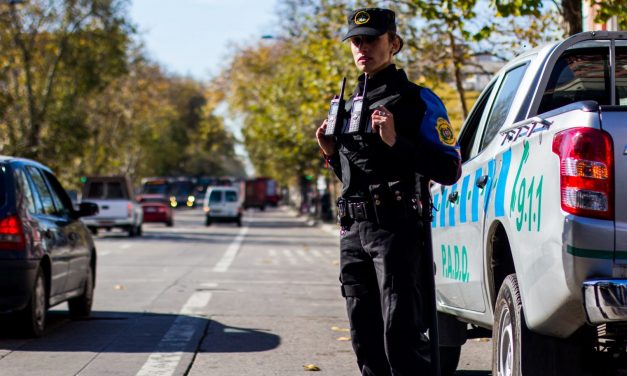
[139, 231]
[32, 319]
[131, 231]
[508, 329]
[81, 305]
[207, 221]
[449, 359]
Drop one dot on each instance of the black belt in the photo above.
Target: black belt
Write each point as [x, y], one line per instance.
[358, 210]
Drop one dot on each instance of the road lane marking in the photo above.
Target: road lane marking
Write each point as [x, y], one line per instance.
[231, 252]
[304, 256]
[290, 256]
[168, 353]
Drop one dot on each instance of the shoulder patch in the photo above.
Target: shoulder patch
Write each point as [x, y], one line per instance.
[445, 132]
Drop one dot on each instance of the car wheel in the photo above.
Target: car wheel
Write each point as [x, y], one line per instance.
[33, 317]
[449, 358]
[207, 221]
[170, 223]
[81, 305]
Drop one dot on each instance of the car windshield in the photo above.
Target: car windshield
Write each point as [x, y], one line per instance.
[155, 188]
[181, 188]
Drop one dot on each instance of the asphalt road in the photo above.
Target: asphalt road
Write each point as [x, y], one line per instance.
[262, 299]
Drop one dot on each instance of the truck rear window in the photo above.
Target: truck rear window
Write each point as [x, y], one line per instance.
[584, 74]
[105, 191]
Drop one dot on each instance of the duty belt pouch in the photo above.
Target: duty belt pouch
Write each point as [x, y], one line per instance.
[383, 205]
[400, 199]
[342, 213]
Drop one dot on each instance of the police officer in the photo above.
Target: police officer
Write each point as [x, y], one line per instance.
[408, 135]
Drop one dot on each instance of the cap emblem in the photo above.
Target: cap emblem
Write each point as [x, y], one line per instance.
[362, 18]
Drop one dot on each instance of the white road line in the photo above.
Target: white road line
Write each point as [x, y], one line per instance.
[169, 351]
[304, 256]
[231, 252]
[290, 256]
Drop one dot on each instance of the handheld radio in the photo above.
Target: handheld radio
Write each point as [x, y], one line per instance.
[336, 113]
[359, 113]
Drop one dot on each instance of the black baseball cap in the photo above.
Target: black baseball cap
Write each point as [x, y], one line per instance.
[372, 22]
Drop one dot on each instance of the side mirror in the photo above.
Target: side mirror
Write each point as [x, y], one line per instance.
[86, 209]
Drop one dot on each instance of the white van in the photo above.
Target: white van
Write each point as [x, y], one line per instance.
[222, 204]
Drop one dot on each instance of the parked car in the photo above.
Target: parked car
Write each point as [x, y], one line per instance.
[222, 204]
[118, 208]
[47, 255]
[156, 208]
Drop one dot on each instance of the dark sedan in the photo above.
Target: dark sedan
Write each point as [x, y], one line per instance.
[47, 255]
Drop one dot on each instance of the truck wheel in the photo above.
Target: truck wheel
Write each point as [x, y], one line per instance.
[207, 221]
[169, 223]
[238, 221]
[508, 327]
[131, 231]
[33, 317]
[81, 305]
[449, 358]
[139, 231]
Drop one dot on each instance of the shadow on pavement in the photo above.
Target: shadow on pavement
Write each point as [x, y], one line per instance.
[230, 339]
[134, 332]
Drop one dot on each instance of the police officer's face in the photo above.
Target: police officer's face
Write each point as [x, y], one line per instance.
[372, 54]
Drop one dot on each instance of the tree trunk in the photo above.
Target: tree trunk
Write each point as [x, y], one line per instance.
[571, 11]
[457, 68]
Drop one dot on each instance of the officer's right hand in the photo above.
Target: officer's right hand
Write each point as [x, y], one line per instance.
[327, 144]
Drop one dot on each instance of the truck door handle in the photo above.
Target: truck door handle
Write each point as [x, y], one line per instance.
[482, 181]
[453, 197]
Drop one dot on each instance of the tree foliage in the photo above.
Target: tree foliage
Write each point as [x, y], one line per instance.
[77, 93]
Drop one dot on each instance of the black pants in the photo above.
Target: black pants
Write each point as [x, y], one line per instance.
[380, 275]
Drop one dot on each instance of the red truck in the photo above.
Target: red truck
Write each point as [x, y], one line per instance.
[261, 192]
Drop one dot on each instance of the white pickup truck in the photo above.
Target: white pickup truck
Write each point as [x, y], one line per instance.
[531, 242]
[117, 206]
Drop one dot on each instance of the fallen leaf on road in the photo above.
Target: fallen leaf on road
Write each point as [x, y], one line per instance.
[338, 329]
[311, 367]
[119, 287]
[344, 338]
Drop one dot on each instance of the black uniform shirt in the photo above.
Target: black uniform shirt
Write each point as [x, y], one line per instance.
[425, 142]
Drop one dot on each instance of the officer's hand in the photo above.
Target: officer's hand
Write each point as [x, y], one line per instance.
[327, 144]
[383, 123]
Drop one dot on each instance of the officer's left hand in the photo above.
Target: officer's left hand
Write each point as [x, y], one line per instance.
[383, 123]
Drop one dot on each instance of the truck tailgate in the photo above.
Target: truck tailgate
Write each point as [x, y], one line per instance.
[614, 121]
[111, 209]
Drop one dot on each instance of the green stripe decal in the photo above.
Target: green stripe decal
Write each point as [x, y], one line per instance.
[595, 253]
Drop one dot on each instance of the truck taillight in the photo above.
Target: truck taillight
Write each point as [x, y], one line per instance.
[129, 208]
[12, 234]
[586, 172]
